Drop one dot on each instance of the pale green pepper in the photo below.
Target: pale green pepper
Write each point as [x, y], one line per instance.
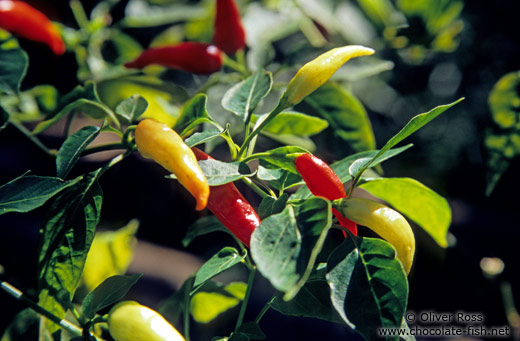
[316, 72]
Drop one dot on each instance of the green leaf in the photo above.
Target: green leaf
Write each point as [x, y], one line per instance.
[220, 173]
[285, 245]
[132, 107]
[220, 262]
[346, 115]
[278, 178]
[29, 192]
[214, 299]
[369, 288]
[282, 157]
[243, 98]
[416, 123]
[343, 167]
[70, 151]
[270, 205]
[13, 67]
[203, 137]
[201, 227]
[313, 300]
[418, 202]
[83, 99]
[194, 113]
[67, 235]
[108, 292]
[295, 123]
[252, 330]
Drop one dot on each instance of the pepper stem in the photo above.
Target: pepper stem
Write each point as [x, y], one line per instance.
[282, 105]
[242, 312]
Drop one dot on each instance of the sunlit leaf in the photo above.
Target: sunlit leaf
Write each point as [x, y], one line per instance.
[416, 201]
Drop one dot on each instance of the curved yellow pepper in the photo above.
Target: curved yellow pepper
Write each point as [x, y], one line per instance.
[316, 72]
[129, 321]
[159, 142]
[386, 222]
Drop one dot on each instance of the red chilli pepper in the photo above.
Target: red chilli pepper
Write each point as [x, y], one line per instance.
[231, 208]
[324, 182]
[26, 21]
[229, 34]
[188, 56]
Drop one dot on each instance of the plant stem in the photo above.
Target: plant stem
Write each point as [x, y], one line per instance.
[245, 145]
[16, 293]
[241, 314]
[187, 314]
[264, 310]
[104, 147]
[33, 138]
[235, 66]
[255, 188]
[79, 14]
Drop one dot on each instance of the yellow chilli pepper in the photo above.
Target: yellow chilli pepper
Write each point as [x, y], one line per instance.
[316, 72]
[386, 222]
[159, 142]
[129, 321]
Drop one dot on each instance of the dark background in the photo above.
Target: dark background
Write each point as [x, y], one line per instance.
[448, 157]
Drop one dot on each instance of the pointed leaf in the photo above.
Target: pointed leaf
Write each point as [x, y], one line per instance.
[71, 149]
[194, 113]
[416, 123]
[132, 107]
[369, 288]
[416, 201]
[29, 192]
[108, 292]
[67, 236]
[282, 157]
[202, 137]
[201, 227]
[220, 262]
[220, 173]
[270, 205]
[285, 245]
[243, 98]
[295, 123]
[13, 66]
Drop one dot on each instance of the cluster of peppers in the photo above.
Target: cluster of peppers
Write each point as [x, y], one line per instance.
[159, 142]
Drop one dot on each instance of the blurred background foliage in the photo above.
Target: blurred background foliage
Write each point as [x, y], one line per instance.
[429, 52]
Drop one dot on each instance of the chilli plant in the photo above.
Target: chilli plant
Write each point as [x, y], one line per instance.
[160, 103]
